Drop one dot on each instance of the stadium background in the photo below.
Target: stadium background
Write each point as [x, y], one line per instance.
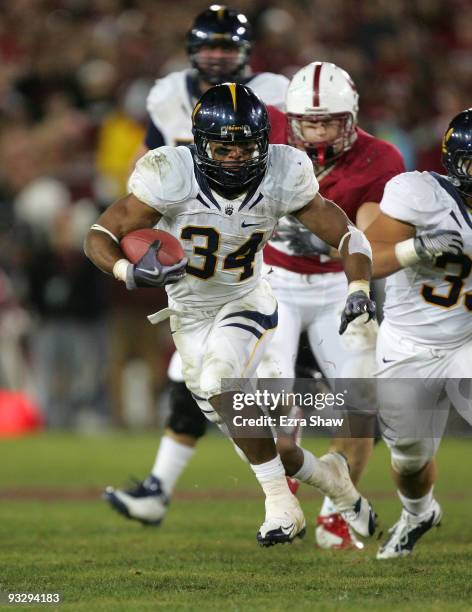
[74, 75]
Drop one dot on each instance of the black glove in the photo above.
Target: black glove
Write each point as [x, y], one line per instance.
[357, 304]
[300, 240]
[435, 243]
[149, 272]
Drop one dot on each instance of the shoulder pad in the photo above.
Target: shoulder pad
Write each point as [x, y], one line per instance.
[163, 93]
[417, 198]
[290, 178]
[164, 175]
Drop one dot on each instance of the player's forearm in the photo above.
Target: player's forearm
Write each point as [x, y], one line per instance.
[385, 260]
[324, 219]
[357, 267]
[102, 250]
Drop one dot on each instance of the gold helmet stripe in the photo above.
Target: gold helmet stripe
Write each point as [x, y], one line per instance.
[232, 89]
[196, 109]
[221, 12]
[447, 135]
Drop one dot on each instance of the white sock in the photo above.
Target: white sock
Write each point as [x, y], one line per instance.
[417, 506]
[171, 460]
[310, 469]
[328, 507]
[271, 476]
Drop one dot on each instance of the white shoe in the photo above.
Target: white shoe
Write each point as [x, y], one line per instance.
[146, 502]
[282, 524]
[408, 530]
[337, 485]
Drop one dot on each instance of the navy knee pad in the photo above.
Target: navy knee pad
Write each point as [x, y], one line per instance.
[185, 416]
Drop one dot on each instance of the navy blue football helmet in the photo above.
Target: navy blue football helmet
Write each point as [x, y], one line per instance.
[219, 26]
[457, 152]
[231, 114]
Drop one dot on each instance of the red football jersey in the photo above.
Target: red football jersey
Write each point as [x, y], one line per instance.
[359, 176]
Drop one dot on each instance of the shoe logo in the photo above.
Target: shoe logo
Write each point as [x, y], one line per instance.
[244, 224]
[154, 272]
[387, 360]
[287, 530]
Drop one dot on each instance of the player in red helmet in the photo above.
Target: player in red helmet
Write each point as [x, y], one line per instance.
[352, 168]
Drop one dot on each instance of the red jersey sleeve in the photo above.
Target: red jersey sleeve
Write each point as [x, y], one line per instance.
[278, 126]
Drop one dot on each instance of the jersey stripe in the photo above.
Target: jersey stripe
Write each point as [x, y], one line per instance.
[248, 328]
[265, 321]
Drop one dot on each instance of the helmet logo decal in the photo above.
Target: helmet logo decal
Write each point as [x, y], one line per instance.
[232, 89]
[230, 130]
[316, 85]
[447, 135]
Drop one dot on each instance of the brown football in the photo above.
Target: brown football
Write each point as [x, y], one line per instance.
[135, 244]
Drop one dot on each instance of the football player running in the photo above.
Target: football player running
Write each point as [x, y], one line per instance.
[222, 198]
[219, 46]
[423, 239]
[352, 168]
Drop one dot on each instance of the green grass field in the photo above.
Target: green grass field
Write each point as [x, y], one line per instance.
[56, 534]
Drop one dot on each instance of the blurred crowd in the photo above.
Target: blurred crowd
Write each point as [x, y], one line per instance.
[73, 82]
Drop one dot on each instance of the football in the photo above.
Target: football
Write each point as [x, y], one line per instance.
[135, 244]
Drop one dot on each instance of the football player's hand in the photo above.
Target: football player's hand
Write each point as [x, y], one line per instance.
[357, 304]
[300, 240]
[149, 272]
[435, 243]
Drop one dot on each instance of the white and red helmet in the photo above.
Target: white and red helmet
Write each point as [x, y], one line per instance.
[318, 92]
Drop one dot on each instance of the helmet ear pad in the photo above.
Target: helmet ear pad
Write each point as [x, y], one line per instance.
[456, 151]
[231, 114]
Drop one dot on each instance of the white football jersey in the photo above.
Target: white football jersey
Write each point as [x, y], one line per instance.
[170, 103]
[222, 239]
[430, 304]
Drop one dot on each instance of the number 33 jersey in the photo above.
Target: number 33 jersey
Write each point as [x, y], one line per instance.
[222, 238]
[431, 303]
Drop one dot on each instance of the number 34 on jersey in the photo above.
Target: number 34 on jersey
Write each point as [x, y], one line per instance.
[204, 260]
[222, 237]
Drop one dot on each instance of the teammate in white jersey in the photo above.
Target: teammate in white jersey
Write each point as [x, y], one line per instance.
[222, 199]
[423, 237]
[219, 46]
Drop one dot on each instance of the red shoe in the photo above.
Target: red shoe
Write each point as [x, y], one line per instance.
[332, 532]
[293, 484]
